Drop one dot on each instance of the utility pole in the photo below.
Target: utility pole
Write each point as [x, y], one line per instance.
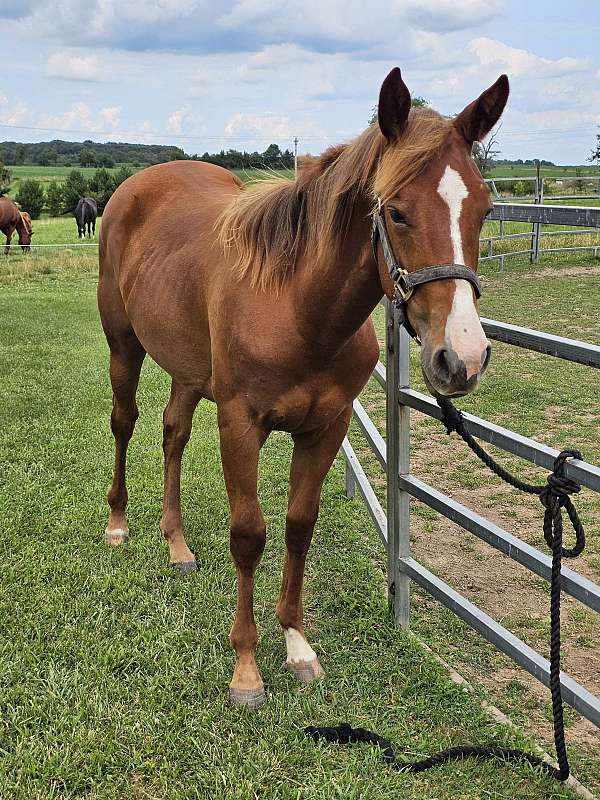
[295, 156]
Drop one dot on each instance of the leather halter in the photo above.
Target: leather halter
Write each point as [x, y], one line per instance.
[405, 282]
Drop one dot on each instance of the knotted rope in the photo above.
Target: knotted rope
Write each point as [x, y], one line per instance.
[554, 495]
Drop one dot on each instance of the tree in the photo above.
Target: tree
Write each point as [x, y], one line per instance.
[484, 152]
[595, 154]
[5, 179]
[54, 198]
[87, 157]
[30, 197]
[74, 187]
[416, 102]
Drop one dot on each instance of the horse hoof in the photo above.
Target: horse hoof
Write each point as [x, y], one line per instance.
[248, 698]
[116, 537]
[184, 567]
[306, 671]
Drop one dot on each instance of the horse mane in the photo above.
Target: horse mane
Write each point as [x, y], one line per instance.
[273, 221]
[25, 221]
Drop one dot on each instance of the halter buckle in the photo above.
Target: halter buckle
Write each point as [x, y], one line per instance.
[402, 285]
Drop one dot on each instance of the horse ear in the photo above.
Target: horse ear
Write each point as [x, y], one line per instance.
[480, 116]
[394, 106]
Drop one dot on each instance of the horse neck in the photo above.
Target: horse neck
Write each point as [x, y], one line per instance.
[334, 298]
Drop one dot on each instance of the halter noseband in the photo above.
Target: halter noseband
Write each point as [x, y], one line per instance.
[406, 282]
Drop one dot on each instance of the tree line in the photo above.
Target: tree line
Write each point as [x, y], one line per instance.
[111, 154]
[87, 154]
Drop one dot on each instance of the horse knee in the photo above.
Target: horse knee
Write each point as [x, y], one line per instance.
[247, 537]
[122, 421]
[175, 436]
[299, 528]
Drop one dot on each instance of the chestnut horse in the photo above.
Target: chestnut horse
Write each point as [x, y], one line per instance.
[11, 220]
[259, 298]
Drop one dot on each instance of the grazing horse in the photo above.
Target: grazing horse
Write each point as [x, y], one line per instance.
[259, 299]
[85, 214]
[11, 220]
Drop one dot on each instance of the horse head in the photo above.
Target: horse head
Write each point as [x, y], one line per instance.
[25, 231]
[434, 216]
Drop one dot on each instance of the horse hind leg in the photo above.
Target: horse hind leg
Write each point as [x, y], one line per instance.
[177, 427]
[126, 358]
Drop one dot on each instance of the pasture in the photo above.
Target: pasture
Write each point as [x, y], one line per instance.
[115, 669]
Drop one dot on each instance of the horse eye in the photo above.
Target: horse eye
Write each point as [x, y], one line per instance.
[397, 217]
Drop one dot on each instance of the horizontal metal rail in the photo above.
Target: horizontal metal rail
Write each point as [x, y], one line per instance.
[372, 503]
[530, 557]
[577, 216]
[577, 696]
[547, 343]
[539, 454]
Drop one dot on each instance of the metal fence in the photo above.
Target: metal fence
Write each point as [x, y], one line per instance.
[575, 229]
[393, 525]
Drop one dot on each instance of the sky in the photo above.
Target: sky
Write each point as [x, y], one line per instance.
[209, 75]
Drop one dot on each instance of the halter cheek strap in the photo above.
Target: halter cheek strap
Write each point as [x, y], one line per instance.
[405, 282]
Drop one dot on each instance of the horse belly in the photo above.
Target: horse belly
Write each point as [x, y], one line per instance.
[170, 320]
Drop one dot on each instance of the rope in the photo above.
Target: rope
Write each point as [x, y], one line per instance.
[554, 495]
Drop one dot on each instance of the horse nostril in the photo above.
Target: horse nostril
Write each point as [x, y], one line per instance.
[486, 359]
[442, 365]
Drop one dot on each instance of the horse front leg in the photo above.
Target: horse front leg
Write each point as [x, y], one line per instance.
[311, 460]
[8, 238]
[241, 441]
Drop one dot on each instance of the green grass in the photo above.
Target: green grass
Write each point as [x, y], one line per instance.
[114, 671]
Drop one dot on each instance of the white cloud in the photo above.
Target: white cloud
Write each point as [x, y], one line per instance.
[519, 63]
[177, 120]
[81, 117]
[73, 67]
[269, 125]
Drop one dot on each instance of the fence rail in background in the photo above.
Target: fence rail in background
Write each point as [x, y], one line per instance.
[394, 528]
[61, 246]
[578, 217]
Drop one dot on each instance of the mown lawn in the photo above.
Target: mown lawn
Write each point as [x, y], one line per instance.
[114, 670]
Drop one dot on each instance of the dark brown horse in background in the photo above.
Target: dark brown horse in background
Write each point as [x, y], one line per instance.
[11, 220]
[85, 214]
[260, 299]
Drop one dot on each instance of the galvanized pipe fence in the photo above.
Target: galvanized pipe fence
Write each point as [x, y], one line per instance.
[534, 238]
[575, 221]
[393, 523]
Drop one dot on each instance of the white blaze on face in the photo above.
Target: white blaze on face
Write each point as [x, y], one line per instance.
[453, 191]
[464, 333]
[298, 649]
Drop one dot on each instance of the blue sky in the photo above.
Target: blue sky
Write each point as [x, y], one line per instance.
[207, 75]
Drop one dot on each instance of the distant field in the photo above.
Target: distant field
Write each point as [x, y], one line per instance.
[518, 171]
[52, 173]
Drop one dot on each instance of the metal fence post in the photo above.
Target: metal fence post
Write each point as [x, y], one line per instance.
[350, 482]
[398, 443]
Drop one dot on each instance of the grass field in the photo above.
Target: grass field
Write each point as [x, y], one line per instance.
[114, 670]
[47, 174]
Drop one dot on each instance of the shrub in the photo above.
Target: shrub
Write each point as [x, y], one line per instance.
[74, 187]
[55, 198]
[121, 175]
[30, 197]
[101, 186]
